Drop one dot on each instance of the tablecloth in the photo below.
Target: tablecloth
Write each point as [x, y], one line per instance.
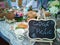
[9, 34]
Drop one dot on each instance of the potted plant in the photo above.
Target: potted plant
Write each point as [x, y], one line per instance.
[19, 16]
[54, 7]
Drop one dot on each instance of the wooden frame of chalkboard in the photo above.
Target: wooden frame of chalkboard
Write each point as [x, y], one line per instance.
[37, 39]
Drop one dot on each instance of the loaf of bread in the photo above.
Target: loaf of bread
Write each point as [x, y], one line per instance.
[22, 25]
[47, 14]
[31, 15]
[10, 15]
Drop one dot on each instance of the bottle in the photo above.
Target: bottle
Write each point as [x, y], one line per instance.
[30, 8]
[19, 3]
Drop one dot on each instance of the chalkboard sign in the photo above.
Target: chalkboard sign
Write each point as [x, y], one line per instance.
[42, 29]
